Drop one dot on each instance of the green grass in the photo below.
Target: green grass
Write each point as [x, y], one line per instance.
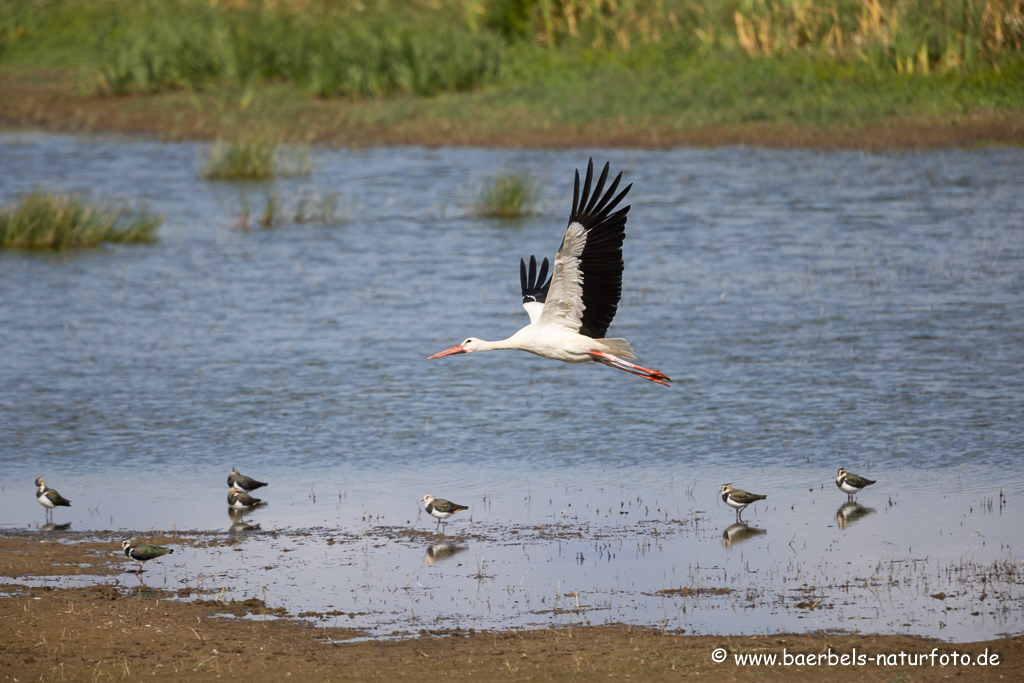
[254, 159]
[325, 49]
[632, 63]
[509, 195]
[55, 221]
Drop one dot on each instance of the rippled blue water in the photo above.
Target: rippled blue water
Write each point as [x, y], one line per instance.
[815, 310]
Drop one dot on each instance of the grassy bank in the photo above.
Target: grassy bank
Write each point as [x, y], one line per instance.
[485, 67]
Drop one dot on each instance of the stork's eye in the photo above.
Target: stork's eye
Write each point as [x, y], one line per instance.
[466, 342]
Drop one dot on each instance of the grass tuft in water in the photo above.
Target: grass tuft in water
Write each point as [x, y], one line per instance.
[509, 195]
[254, 159]
[318, 209]
[271, 210]
[55, 221]
[304, 208]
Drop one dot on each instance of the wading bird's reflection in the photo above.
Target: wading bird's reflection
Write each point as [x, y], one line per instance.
[442, 551]
[238, 523]
[50, 526]
[739, 532]
[144, 592]
[850, 512]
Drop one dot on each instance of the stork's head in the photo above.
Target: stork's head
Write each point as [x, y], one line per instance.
[469, 346]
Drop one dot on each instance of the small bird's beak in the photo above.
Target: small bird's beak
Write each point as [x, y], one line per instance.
[449, 352]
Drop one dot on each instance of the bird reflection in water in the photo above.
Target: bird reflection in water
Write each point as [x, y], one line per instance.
[849, 512]
[144, 592]
[50, 526]
[238, 523]
[442, 551]
[739, 532]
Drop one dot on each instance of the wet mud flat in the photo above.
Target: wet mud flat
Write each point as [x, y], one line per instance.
[106, 632]
[73, 609]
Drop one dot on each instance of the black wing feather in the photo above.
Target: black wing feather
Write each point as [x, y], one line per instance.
[534, 287]
[601, 260]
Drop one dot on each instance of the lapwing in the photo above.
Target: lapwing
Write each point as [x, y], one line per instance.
[240, 500]
[738, 499]
[441, 509]
[143, 552]
[242, 482]
[49, 498]
[850, 483]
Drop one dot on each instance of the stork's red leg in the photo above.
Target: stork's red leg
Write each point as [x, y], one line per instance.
[656, 376]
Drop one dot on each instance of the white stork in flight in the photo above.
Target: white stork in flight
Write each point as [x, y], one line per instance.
[571, 312]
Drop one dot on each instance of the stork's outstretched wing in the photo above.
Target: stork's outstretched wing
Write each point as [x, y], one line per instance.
[586, 282]
[535, 288]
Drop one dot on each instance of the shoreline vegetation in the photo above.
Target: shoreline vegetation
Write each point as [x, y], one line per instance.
[870, 74]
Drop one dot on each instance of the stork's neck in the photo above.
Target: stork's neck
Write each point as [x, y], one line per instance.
[498, 345]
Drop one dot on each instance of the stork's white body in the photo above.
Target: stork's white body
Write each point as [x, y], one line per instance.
[570, 314]
[558, 343]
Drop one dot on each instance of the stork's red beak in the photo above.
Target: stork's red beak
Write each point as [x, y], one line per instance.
[449, 352]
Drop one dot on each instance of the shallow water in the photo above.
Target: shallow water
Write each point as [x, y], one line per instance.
[815, 310]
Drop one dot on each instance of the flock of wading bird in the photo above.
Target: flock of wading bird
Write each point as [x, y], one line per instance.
[570, 313]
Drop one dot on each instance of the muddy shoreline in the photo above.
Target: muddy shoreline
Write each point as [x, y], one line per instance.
[51, 99]
[110, 623]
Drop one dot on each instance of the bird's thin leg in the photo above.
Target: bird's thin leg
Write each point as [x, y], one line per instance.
[656, 376]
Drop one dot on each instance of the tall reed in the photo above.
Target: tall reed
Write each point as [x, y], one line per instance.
[382, 47]
[905, 35]
[185, 44]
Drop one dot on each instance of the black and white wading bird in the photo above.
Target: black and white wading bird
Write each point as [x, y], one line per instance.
[240, 500]
[242, 482]
[49, 498]
[737, 499]
[441, 509]
[570, 312]
[850, 483]
[143, 552]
